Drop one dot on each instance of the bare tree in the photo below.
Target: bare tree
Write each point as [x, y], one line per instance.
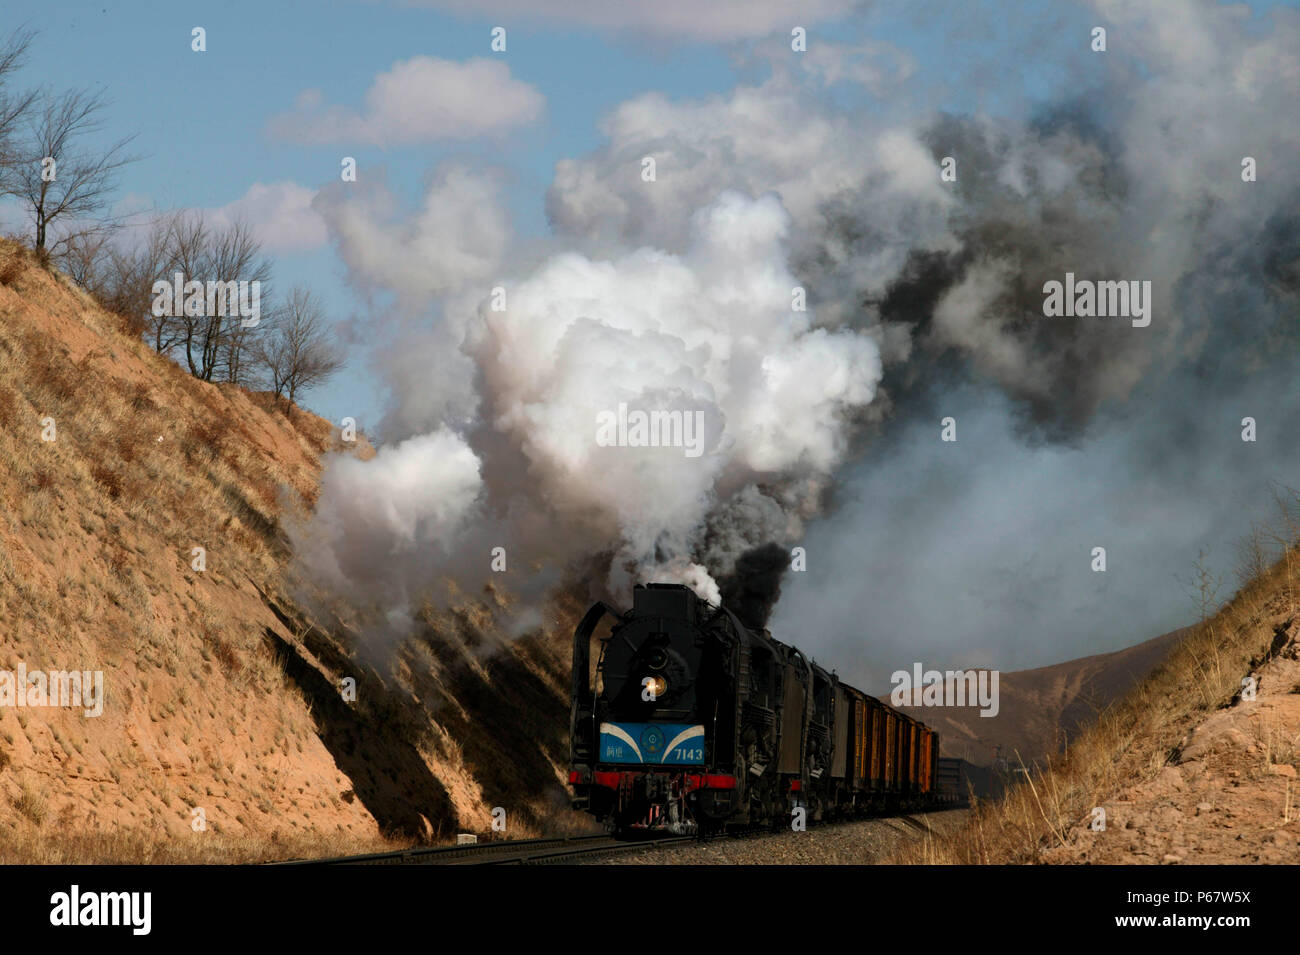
[1287, 502]
[211, 342]
[13, 106]
[298, 350]
[184, 238]
[118, 267]
[55, 180]
[1253, 558]
[232, 254]
[84, 259]
[1286, 536]
[127, 286]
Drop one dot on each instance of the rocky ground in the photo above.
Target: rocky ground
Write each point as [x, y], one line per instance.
[854, 843]
[1230, 795]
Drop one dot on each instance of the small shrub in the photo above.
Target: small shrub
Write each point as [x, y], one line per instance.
[224, 653]
[128, 441]
[109, 479]
[118, 559]
[227, 657]
[49, 368]
[11, 269]
[30, 803]
[267, 494]
[133, 325]
[125, 445]
[209, 436]
[139, 397]
[8, 408]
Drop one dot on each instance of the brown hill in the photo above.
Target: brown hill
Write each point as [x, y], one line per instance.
[1040, 710]
[1197, 762]
[220, 695]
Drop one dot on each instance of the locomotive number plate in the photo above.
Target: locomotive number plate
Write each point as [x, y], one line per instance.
[662, 744]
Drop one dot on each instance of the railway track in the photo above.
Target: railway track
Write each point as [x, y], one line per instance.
[506, 852]
[912, 821]
[559, 849]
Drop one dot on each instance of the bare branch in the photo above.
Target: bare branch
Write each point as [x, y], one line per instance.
[298, 350]
[13, 106]
[52, 178]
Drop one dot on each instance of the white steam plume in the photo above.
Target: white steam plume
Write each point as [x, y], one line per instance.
[713, 330]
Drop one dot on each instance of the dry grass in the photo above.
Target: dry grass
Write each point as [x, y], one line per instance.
[13, 263]
[28, 844]
[108, 479]
[30, 803]
[1138, 735]
[9, 408]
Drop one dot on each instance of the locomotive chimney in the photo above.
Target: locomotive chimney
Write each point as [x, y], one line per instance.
[675, 601]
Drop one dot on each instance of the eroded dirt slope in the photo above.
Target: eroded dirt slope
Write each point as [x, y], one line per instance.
[220, 694]
[1229, 794]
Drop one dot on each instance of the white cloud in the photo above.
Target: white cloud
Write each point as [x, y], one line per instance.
[456, 237]
[423, 99]
[280, 215]
[717, 20]
[879, 67]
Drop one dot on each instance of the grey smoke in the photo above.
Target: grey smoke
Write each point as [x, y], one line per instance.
[754, 586]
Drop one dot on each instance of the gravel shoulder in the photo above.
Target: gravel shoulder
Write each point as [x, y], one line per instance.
[854, 843]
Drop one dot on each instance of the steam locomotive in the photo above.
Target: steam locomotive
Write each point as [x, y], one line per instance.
[689, 722]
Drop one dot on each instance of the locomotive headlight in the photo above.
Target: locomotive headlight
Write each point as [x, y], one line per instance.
[653, 687]
[657, 659]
